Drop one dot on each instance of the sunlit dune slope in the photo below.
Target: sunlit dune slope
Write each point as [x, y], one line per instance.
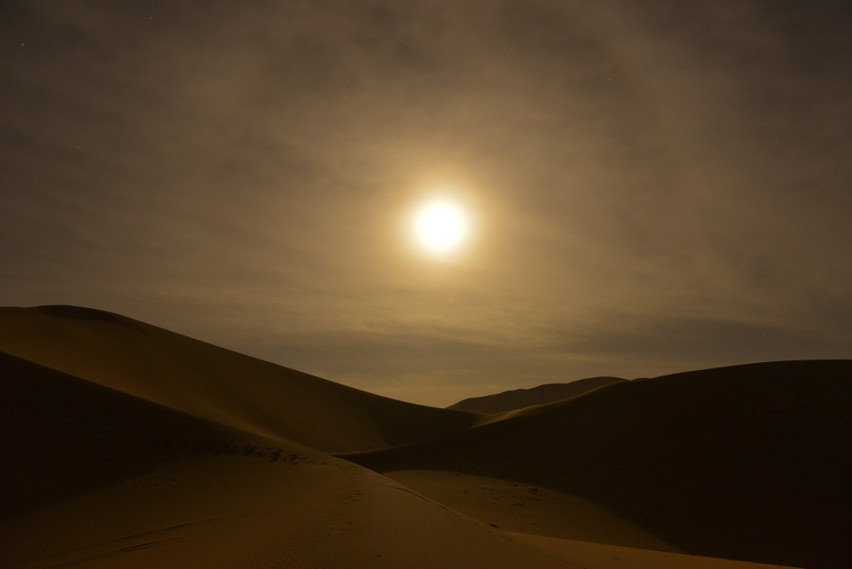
[64, 436]
[95, 478]
[747, 462]
[540, 395]
[214, 383]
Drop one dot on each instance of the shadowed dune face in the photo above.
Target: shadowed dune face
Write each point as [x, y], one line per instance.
[214, 383]
[748, 462]
[541, 395]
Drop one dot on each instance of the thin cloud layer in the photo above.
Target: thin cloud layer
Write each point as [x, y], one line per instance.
[654, 186]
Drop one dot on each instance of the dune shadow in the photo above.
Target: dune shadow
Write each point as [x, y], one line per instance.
[746, 463]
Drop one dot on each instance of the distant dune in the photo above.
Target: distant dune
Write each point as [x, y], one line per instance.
[541, 395]
[125, 445]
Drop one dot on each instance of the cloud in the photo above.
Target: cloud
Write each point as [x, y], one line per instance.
[651, 185]
[703, 342]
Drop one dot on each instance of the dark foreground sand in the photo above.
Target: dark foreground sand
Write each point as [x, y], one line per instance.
[125, 445]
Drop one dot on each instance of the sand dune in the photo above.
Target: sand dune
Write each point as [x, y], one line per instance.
[214, 383]
[747, 462]
[96, 478]
[540, 395]
[126, 445]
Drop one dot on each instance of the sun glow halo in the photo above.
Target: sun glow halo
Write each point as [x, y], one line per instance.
[440, 226]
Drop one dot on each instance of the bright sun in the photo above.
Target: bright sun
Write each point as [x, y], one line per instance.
[440, 226]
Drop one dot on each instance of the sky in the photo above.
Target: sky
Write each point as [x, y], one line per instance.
[653, 187]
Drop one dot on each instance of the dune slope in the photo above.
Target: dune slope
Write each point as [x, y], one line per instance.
[99, 479]
[214, 383]
[747, 462]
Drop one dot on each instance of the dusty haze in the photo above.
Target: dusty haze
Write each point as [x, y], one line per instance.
[656, 187]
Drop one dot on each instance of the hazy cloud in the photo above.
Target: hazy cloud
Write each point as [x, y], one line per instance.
[654, 185]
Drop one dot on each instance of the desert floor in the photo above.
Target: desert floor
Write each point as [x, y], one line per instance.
[126, 445]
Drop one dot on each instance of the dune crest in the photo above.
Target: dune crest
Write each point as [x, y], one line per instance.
[539, 395]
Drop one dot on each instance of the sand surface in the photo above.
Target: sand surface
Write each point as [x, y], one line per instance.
[525, 508]
[126, 445]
